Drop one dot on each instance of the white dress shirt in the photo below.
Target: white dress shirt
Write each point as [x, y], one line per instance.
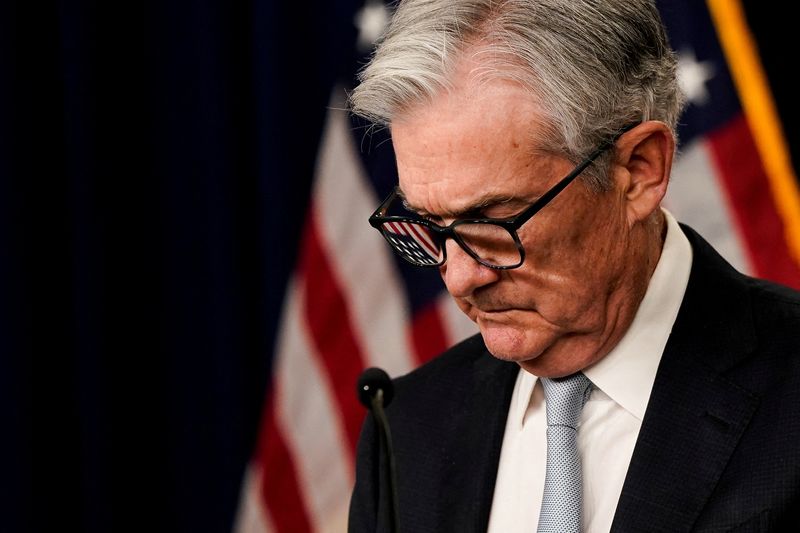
[611, 418]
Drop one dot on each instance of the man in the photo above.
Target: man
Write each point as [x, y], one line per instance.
[625, 378]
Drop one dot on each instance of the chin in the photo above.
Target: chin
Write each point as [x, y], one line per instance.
[514, 343]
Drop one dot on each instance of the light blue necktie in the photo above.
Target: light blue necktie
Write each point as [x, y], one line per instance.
[563, 487]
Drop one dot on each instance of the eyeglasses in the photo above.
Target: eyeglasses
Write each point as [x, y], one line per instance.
[492, 242]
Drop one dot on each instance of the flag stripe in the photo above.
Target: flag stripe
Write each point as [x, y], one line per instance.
[394, 227]
[359, 257]
[456, 324]
[753, 88]
[331, 329]
[309, 415]
[251, 517]
[283, 500]
[697, 197]
[428, 333]
[424, 241]
[745, 181]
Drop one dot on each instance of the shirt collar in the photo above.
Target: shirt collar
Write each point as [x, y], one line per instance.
[627, 373]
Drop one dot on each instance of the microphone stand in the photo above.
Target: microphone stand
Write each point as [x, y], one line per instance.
[386, 443]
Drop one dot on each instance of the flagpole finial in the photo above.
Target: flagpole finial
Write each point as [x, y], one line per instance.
[371, 21]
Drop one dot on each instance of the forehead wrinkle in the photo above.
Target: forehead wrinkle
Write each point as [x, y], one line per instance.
[466, 145]
[486, 199]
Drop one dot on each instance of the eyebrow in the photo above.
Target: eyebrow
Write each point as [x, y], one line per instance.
[482, 203]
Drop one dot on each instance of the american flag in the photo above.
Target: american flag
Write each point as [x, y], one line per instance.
[351, 304]
[733, 180]
[415, 240]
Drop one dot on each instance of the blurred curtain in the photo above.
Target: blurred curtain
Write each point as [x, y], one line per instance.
[154, 169]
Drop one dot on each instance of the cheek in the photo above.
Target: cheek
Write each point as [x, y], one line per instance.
[554, 249]
[576, 254]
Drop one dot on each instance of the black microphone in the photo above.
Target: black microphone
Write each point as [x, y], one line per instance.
[371, 383]
[375, 391]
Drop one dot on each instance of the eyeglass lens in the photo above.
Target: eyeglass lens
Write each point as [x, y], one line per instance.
[418, 245]
[414, 242]
[493, 244]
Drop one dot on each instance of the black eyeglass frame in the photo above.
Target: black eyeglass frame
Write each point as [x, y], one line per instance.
[511, 224]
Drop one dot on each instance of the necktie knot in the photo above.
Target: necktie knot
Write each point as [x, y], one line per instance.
[565, 398]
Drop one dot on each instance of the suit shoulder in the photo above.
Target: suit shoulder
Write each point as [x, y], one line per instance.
[775, 305]
[776, 317]
[450, 364]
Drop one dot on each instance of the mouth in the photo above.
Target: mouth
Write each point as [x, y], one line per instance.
[495, 310]
[497, 307]
[501, 315]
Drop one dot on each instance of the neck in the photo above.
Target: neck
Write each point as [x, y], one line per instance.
[644, 244]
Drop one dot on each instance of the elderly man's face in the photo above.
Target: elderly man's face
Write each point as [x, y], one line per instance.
[471, 153]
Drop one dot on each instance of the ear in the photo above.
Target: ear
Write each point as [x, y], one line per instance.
[642, 167]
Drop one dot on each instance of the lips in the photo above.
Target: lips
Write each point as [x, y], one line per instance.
[495, 310]
[498, 307]
[488, 305]
[489, 310]
[505, 315]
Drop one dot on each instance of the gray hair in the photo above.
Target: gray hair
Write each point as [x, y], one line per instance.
[594, 66]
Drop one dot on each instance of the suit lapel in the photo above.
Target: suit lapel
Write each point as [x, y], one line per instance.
[471, 481]
[695, 415]
[490, 373]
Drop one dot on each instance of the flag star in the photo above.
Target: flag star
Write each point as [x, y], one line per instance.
[693, 75]
[371, 20]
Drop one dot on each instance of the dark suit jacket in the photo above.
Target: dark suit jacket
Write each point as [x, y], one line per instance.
[719, 446]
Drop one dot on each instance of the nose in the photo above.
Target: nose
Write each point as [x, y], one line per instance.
[462, 274]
